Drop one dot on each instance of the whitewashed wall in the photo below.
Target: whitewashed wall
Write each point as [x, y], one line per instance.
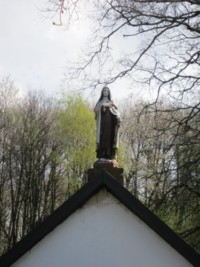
[103, 233]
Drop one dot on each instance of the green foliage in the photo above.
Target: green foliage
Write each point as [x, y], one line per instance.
[76, 132]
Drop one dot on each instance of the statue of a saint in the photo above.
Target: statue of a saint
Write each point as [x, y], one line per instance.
[107, 126]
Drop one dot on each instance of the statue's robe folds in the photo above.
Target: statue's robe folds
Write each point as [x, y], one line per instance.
[107, 130]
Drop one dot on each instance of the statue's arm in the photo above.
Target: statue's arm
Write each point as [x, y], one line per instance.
[97, 108]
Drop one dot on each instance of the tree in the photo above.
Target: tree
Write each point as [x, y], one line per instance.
[76, 134]
[29, 189]
[148, 155]
[8, 97]
[161, 169]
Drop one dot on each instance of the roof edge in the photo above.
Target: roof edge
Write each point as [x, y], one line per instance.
[52, 221]
[153, 221]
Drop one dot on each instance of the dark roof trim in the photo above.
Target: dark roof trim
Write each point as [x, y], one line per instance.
[104, 180]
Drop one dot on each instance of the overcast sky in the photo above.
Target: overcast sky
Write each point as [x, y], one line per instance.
[34, 52]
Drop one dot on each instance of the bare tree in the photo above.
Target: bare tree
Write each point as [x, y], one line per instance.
[168, 53]
[161, 167]
[149, 156]
[29, 190]
[8, 96]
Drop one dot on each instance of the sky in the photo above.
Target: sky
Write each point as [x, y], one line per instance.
[35, 53]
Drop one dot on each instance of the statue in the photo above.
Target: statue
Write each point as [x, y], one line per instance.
[107, 126]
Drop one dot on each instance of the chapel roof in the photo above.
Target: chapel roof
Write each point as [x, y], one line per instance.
[103, 181]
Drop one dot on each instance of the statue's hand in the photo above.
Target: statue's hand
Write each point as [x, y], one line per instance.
[106, 105]
[109, 104]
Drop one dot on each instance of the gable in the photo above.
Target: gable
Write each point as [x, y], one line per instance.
[114, 209]
[102, 233]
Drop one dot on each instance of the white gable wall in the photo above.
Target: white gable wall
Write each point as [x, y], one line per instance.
[102, 233]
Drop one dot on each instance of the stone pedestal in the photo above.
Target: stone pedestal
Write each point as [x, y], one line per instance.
[111, 166]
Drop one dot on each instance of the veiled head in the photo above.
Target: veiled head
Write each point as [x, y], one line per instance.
[105, 92]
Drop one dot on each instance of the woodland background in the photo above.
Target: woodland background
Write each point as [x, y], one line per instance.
[47, 145]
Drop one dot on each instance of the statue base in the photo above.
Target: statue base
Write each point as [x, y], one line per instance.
[111, 166]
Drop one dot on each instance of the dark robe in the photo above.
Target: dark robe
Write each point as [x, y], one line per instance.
[107, 147]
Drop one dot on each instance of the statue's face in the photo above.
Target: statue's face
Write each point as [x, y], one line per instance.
[105, 92]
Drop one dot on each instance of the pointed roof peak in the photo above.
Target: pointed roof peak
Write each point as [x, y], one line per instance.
[103, 180]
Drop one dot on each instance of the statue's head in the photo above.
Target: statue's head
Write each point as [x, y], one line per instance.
[105, 92]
